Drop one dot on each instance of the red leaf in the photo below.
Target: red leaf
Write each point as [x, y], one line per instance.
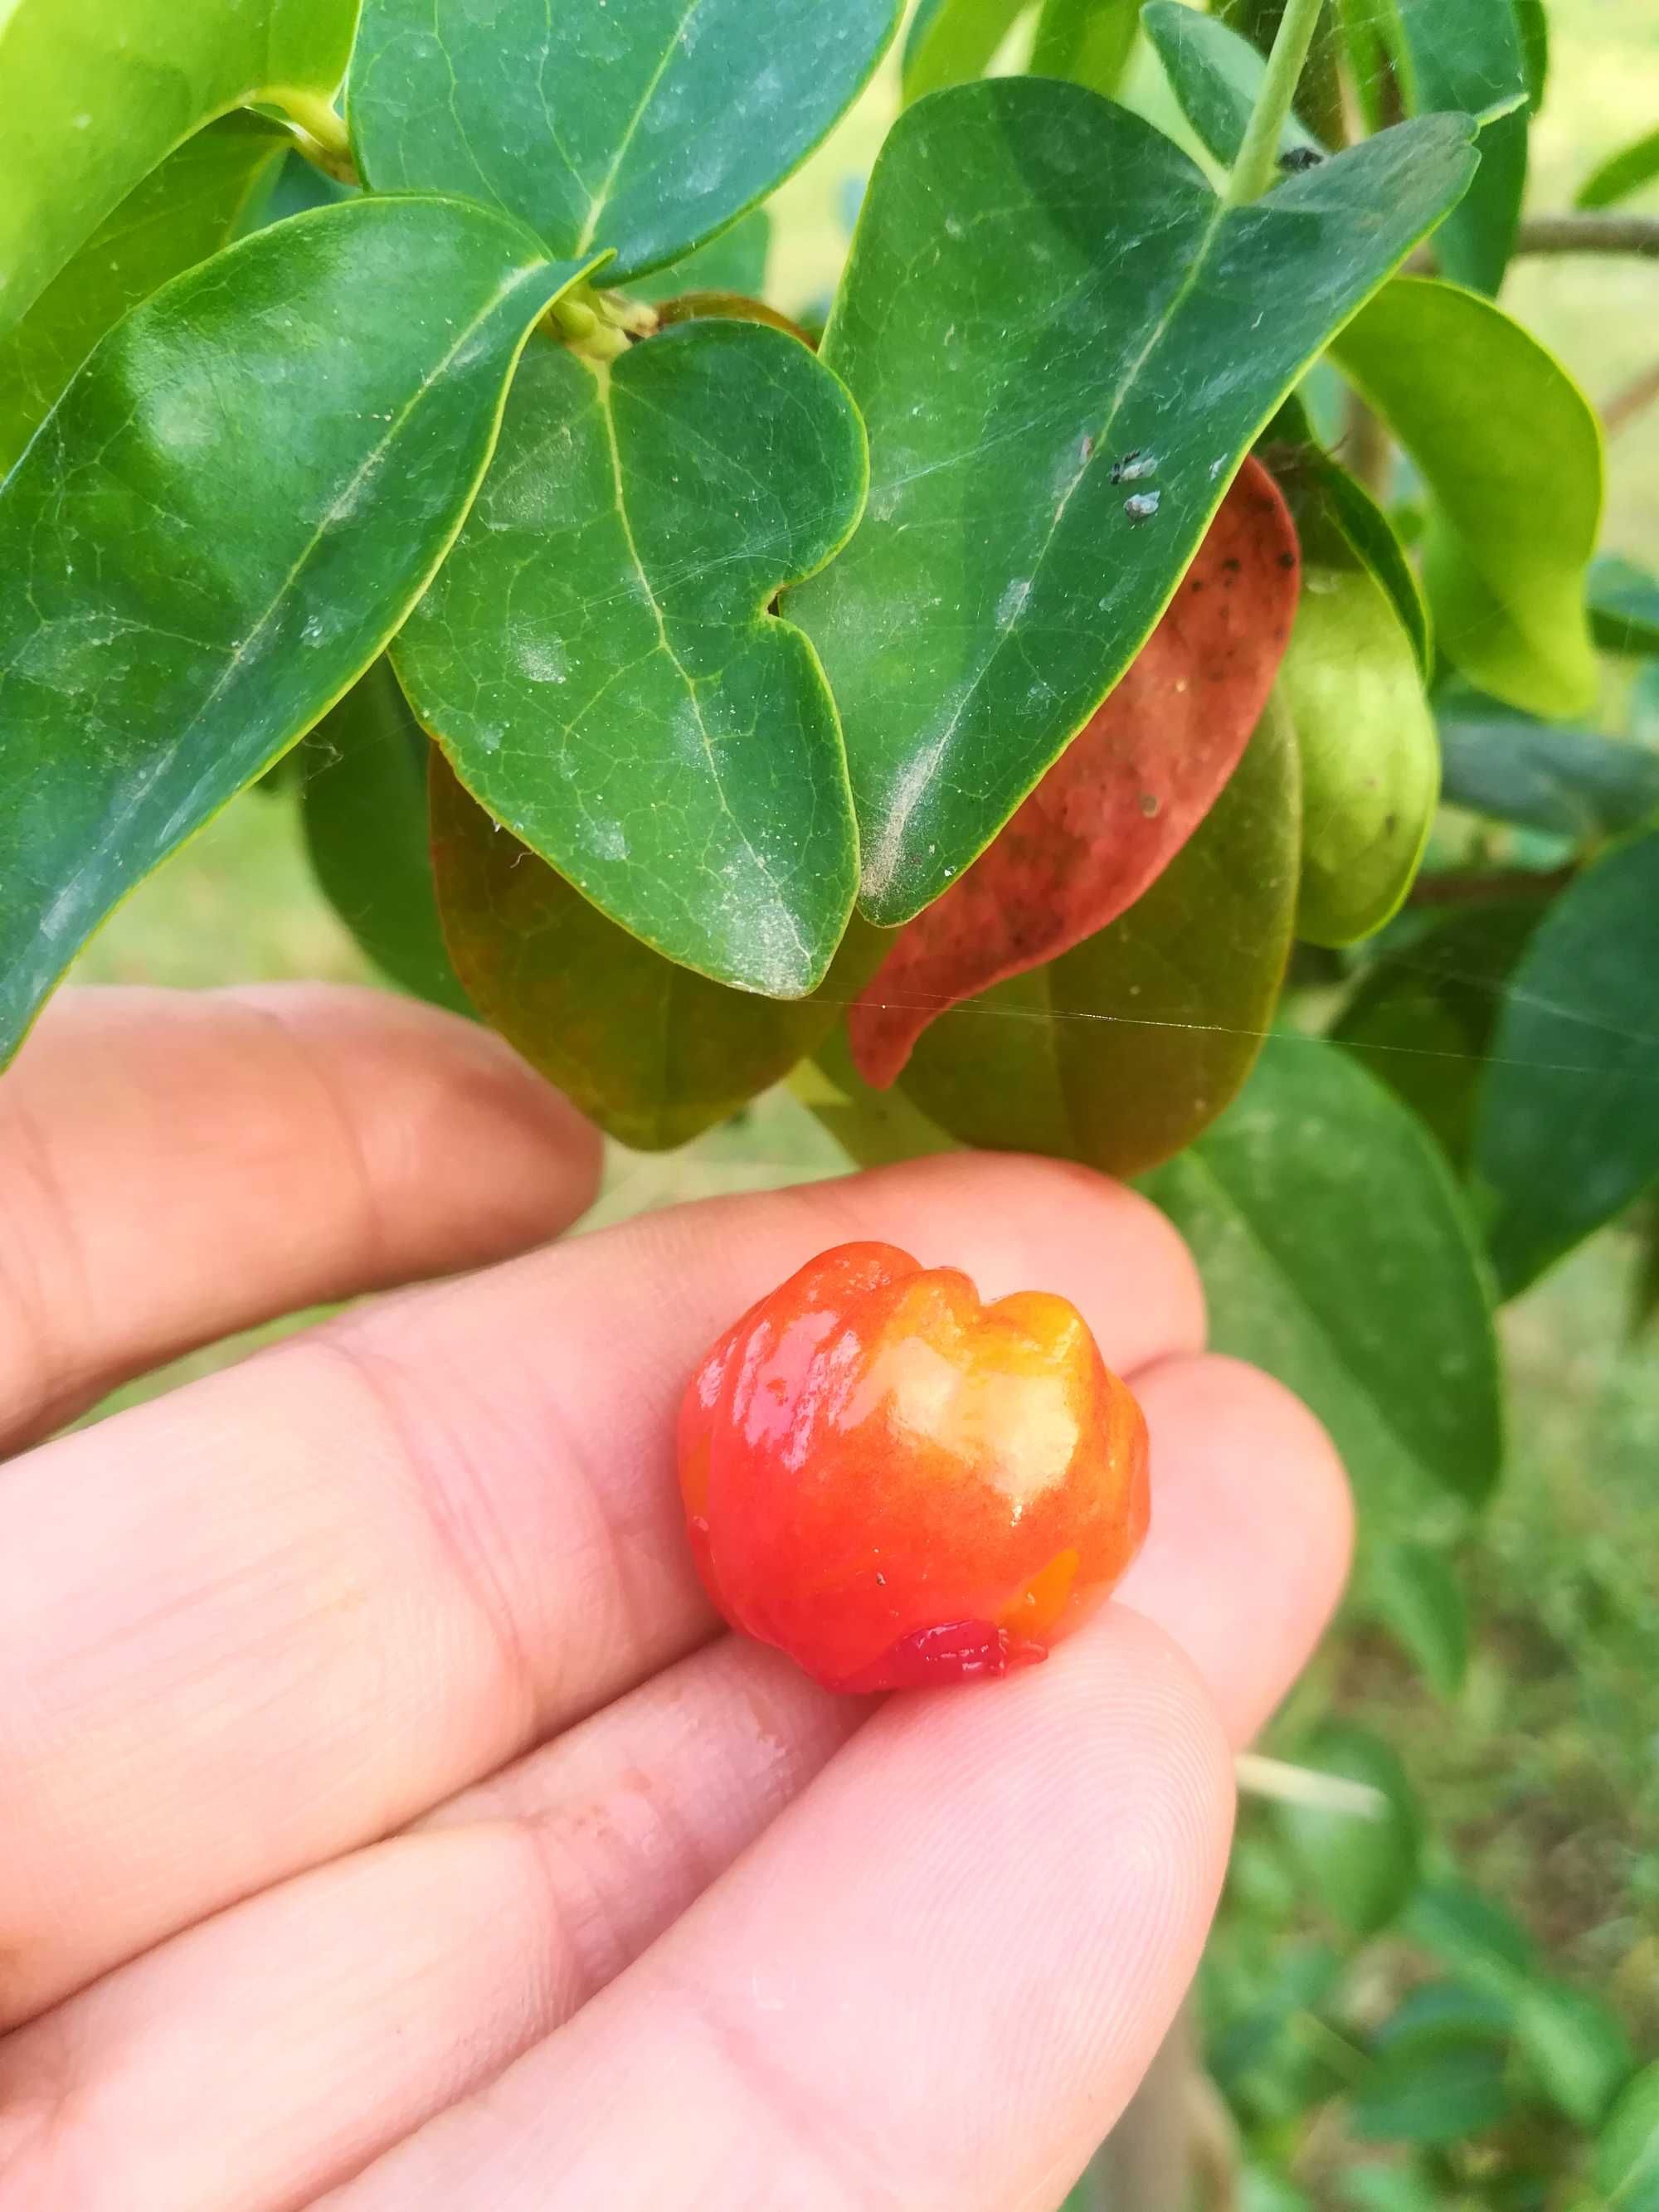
[1122, 800]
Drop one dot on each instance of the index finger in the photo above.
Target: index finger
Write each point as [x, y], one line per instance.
[387, 1556]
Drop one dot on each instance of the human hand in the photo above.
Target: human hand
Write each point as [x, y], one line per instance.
[384, 1821]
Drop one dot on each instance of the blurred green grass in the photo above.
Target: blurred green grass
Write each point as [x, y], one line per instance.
[1546, 1770]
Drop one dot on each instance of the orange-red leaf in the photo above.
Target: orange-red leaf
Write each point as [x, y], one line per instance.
[1122, 800]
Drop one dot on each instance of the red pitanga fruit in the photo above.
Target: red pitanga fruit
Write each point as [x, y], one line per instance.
[899, 1486]
[1120, 801]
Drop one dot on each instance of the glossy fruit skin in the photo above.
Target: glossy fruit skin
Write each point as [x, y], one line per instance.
[898, 1485]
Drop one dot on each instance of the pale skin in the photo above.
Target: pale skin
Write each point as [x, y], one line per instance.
[385, 1823]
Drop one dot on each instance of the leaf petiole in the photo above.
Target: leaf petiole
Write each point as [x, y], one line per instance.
[1257, 166]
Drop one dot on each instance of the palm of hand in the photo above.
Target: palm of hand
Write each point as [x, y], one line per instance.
[384, 1823]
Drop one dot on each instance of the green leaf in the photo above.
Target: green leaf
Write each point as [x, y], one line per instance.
[1371, 754]
[1335, 1253]
[157, 652]
[1627, 2154]
[598, 660]
[1216, 77]
[90, 110]
[1472, 1934]
[1622, 174]
[1512, 451]
[181, 213]
[1435, 2088]
[647, 127]
[952, 42]
[1422, 1017]
[734, 262]
[364, 807]
[1340, 524]
[1532, 21]
[653, 1053]
[1120, 1053]
[300, 187]
[1577, 2048]
[1568, 1130]
[874, 1128]
[1469, 58]
[1364, 1868]
[1413, 1590]
[1624, 604]
[1074, 293]
[1568, 783]
[1088, 41]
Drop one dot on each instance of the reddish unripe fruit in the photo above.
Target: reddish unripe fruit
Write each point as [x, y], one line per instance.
[898, 1485]
[1120, 801]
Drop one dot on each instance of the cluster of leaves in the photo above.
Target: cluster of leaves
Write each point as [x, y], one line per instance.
[1449, 2068]
[1008, 715]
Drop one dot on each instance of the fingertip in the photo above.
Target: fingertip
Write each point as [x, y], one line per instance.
[1252, 1529]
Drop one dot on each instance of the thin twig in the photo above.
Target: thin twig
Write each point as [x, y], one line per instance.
[1630, 401]
[1636, 234]
[1301, 1786]
[1474, 886]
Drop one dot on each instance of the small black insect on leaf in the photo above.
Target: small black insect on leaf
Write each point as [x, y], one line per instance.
[1295, 158]
[1134, 467]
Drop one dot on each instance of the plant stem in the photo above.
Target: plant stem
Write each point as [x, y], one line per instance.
[1257, 165]
[1476, 886]
[1590, 233]
[1633, 234]
[316, 118]
[1630, 402]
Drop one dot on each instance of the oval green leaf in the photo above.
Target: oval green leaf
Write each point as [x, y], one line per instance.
[1439, 2087]
[952, 42]
[338, 376]
[1568, 783]
[1627, 2154]
[1470, 57]
[91, 110]
[734, 262]
[597, 658]
[1340, 524]
[1364, 1869]
[1120, 1052]
[874, 1128]
[363, 803]
[1075, 295]
[182, 212]
[1567, 1134]
[1624, 604]
[655, 1053]
[1422, 1019]
[645, 126]
[1086, 41]
[1413, 1589]
[1577, 2047]
[1512, 451]
[1336, 1253]
[1371, 754]
[1622, 174]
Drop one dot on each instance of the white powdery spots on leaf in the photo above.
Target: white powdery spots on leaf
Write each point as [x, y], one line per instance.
[543, 660]
[605, 840]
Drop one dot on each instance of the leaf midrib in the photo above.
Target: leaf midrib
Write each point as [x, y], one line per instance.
[598, 202]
